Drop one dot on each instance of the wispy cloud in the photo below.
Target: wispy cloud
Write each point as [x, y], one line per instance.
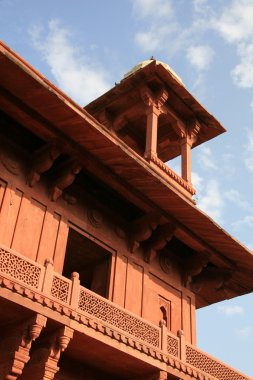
[211, 201]
[230, 310]
[206, 157]
[246, 221]
[75, 73]
[145, 8]
[235, 26]
[248, 159]
[235, 197]
[200, 56]
[244, 332]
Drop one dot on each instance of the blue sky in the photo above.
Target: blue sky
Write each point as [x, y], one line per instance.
[84, 46]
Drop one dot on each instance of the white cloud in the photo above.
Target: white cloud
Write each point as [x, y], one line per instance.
[200, 56]
[153, 8]
[244, 332]
[248, 159]
[75, 73]
[206, 157]
[231, 310]
[212, 202]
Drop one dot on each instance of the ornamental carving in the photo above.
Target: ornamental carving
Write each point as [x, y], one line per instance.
[119, 318]
[60, 288]
[211, 366]
[19, 269]
[172, 346]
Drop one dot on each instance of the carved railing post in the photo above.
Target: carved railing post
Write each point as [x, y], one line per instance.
[182, 345]
[75, 291]
[16, 344]
[163, 335]
[48, 277]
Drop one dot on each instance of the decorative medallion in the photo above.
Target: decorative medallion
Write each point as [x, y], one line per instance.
[164, 261]
[120, 232]
[10, 164]
[94, 217]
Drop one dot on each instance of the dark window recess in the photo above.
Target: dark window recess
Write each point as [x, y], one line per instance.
[90, 260]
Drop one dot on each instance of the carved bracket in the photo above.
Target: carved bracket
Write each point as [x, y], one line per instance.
[141, 229]
[156, 100]
[211, 278]
[161, 236]
[65, 176]
[16, 344]
[44, 360]
[43, 160]
[194, 265]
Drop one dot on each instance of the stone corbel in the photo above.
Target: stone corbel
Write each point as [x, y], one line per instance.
[16, 344]
[120, 122]
[43, 160]
[141, 229]
[43, 364]
[104, 117]
[193, 266]
[65, 176]
[193, 130]
[161, 236]
[211, 278]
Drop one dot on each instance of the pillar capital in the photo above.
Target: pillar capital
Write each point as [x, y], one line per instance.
[153, 101]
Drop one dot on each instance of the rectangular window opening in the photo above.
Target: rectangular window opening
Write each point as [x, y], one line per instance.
[90, 260]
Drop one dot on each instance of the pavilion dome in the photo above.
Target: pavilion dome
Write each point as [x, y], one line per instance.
[142, 64]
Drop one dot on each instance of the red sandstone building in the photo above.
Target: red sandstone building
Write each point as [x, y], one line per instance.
[104, 256]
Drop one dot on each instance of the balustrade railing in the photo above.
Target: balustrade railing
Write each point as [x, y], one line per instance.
[174, 176]
[69, 292]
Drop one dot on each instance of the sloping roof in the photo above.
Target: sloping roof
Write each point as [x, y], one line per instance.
[40, 106]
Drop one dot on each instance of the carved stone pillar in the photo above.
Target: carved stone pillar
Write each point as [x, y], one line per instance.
[151, 132]
[186, 141]
[44, 360]
[15, 346]
[186, 146]
[153, 103]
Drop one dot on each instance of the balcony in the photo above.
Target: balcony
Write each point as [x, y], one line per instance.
[154, 345]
